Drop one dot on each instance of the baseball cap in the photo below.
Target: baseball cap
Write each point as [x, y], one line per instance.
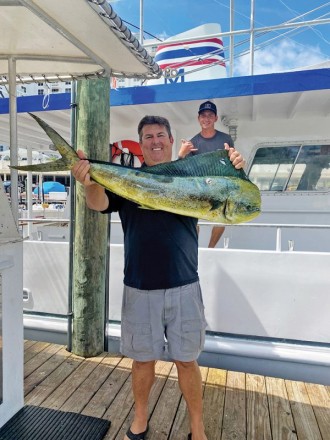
[208, 105]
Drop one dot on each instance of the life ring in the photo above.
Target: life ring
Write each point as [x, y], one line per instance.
[127, 153]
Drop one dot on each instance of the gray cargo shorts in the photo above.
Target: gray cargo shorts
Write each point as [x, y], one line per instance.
[164, 324]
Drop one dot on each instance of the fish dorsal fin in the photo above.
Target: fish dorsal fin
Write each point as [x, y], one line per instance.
[215, 163]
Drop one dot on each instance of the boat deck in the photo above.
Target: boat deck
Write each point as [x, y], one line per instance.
[236, 405]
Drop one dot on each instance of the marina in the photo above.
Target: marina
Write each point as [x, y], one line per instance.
[266, 359]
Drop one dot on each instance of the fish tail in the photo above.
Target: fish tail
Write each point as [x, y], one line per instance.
[57, 165]
[69, 156]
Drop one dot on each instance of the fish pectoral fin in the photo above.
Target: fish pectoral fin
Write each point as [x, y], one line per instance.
[147, 207]
[215, 204]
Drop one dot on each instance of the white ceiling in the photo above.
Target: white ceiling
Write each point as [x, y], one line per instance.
[58, 38]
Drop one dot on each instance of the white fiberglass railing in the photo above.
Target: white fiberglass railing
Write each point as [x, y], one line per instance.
[279, 227]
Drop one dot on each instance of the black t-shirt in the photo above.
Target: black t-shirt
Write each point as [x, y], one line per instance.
[161, 248]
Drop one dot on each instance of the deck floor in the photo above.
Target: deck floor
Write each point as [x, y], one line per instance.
[237, 406]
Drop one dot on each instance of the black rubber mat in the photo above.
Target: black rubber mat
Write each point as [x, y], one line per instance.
[36, 423]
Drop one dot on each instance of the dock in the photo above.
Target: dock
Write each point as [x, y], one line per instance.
[237, 406]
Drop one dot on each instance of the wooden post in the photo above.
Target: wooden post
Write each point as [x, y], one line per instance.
[90, 236]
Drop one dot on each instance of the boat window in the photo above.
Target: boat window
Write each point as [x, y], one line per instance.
[292, 168]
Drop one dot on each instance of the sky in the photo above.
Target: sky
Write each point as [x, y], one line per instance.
[276, 51]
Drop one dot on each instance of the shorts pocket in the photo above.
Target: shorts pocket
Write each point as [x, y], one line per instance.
[137, 337]
[193, 335]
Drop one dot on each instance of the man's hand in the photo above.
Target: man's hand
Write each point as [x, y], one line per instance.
[80, 170]
[96, 198]
[186, 148]
[235, 157]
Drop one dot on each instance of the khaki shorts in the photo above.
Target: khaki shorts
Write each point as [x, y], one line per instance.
[163, 324]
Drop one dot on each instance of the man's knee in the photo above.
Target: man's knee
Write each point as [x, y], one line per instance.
[185, 365]
[144, 364]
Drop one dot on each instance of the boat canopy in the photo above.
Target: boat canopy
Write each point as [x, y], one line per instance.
[64, 40]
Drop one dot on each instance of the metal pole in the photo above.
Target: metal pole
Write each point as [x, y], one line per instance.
[72, 215]
[286, 25]
[231, 44]
[252, 38]
[107, 289]
[40, 188]
[141, 22]
[28, 191]
[13, 137]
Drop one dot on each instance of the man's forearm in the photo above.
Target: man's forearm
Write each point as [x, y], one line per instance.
[96, 197]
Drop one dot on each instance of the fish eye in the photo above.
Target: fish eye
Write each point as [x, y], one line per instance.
[208, 181]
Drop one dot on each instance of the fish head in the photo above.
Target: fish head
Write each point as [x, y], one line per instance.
[243, 203]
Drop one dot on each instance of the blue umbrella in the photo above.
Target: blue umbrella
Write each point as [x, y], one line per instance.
[50, 186]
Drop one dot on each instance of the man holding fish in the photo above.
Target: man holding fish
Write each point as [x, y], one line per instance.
[162, 312]
[209, 139]
[159, 205]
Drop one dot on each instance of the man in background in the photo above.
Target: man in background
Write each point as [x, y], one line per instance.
[207, 140]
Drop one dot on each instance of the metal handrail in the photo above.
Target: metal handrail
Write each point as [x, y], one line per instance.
[268, 225]
[278, 226]
[200, 223]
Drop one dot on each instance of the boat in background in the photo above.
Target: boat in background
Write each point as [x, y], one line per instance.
[191, 56]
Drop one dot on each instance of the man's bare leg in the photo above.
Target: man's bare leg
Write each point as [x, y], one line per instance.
[190, 382]
[143, 376]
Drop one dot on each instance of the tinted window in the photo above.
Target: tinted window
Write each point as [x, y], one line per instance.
[292, 168]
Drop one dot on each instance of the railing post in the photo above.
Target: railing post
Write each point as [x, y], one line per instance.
[278, 239]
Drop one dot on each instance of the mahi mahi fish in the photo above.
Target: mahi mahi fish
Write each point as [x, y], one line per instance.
[205, 186]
